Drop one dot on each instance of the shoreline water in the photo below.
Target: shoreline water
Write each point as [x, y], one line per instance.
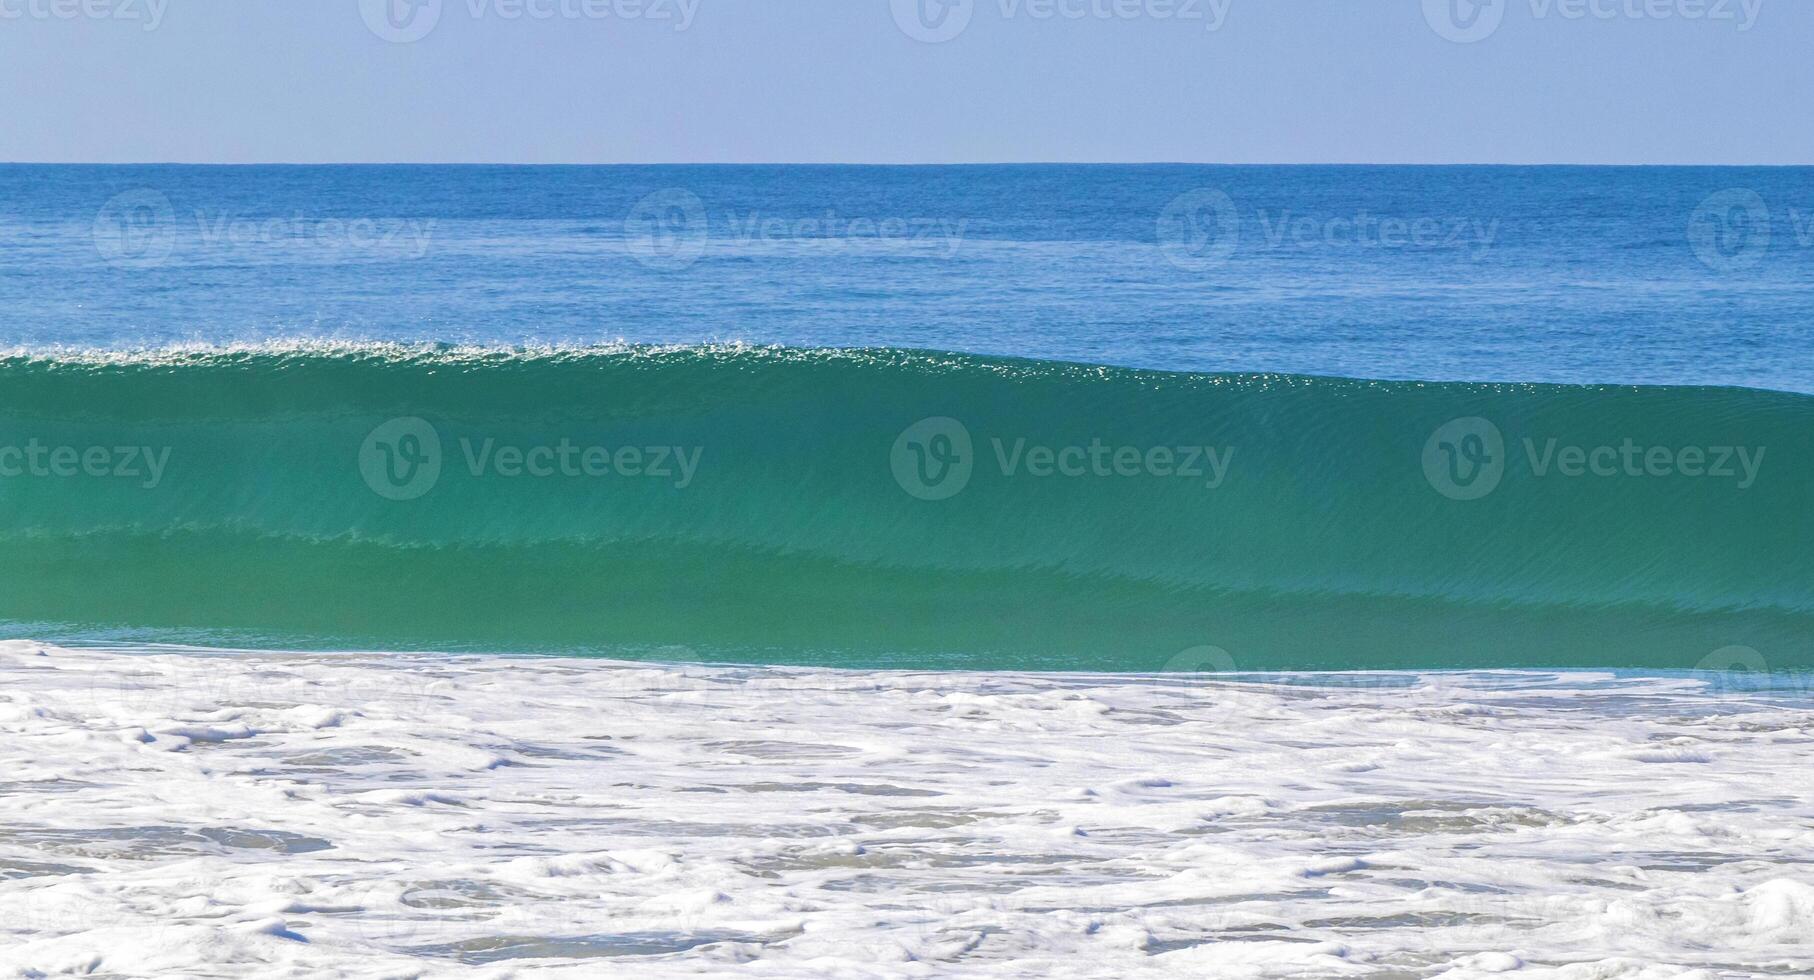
[355, 815]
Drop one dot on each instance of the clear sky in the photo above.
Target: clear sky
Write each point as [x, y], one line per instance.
[902, 81]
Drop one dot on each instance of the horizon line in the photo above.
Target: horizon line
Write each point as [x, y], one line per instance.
[861, 163]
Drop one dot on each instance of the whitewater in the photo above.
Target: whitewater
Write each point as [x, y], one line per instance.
[218, 814]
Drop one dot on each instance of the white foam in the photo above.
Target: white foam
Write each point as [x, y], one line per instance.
[198, 814]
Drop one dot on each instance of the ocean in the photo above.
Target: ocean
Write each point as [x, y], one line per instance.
[1024, 570]
[985, 417]
[1570, 275]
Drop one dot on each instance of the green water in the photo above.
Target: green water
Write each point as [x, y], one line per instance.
[792, 506]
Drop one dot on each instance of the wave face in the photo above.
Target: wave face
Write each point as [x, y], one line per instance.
[898, 508]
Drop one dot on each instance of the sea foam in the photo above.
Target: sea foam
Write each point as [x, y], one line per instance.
[203, 812]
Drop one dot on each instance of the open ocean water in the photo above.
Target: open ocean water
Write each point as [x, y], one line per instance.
[1030, 571]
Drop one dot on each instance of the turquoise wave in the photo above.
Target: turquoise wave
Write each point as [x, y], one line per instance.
[897, 508]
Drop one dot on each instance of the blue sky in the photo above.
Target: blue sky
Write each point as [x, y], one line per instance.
[902, 81]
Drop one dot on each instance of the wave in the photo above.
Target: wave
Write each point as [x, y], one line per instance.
[886, 507]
